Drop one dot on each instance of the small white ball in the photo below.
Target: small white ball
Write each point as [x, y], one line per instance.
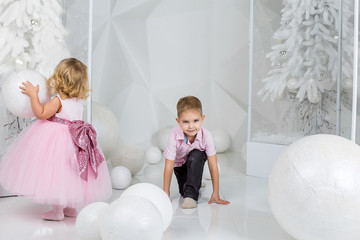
[291, 84]
[87, 222]
[106, 126]
[222, 140]
[206, 172]
[162, 137]
[315, 98]
[18, 103]
[314, 188]
[130, 156]
[120, 177]
[155, 195]
[131, 218]
[153, 155]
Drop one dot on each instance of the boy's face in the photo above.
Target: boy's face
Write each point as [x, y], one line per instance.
[190, 122]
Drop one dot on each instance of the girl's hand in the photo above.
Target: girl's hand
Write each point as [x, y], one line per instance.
[29, 89]
[216, 198]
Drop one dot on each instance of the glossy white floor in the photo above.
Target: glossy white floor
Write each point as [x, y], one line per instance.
[247, 217]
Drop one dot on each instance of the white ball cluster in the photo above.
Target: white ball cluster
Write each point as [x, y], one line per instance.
[143, 211]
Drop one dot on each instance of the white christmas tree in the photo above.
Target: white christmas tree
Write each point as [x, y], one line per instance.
[305, 61]
[31, 36]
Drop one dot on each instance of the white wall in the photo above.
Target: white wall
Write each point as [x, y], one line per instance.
[149, 53]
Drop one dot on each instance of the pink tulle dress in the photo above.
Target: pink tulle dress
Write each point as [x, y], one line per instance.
[42, 164]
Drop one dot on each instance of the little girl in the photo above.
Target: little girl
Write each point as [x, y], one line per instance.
[56, 160]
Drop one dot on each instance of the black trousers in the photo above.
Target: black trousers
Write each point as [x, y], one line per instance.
[189, 175]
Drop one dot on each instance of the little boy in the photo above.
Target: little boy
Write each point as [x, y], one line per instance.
[188, 148]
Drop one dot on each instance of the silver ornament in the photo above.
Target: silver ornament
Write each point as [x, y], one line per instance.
[276, 65]
[321, 75]
[347, 84]
[36, 24]
[283, 53]
[33, 22]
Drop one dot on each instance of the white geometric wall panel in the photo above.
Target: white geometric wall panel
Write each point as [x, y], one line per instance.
[149, 53]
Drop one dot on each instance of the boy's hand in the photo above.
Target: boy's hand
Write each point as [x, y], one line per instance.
[167, 192]
[216, 198]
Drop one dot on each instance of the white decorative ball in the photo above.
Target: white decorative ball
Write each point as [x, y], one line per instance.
[106, 126]
[314, 188]
[206, 172]
[315, 98]
[153, 155]
[87, 222]
[155, 195]
[154, 173]
[130, 156]
[18, 103]
[131, 218]
[162, 137]
[222, 140]
[291, 84]
[19, 63]
[120, 177]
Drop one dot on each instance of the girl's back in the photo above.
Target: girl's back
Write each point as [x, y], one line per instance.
[72, 109]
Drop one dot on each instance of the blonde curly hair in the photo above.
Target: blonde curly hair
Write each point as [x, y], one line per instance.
[70, 79]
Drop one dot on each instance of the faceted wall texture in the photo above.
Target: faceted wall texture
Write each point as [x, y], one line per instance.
[149, 53]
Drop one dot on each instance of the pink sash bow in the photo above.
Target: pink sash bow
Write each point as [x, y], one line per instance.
[83, 135]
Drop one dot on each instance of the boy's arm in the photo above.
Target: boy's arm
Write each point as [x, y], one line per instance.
[168, 171]
[214, 172]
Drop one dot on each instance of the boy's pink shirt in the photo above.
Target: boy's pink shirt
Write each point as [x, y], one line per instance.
[177, 149]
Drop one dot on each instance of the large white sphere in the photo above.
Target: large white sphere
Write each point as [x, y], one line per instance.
[314, 188]
[18, 103]
[162, 137]
[106, 126]
[87, 222]
[153, 173]
[206, 172]
[130, 156]
[155, 195]
[131, 218]
[153, 155]
[120, 177]
[222, 140]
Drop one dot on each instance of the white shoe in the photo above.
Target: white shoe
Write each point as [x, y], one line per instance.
[189, 203]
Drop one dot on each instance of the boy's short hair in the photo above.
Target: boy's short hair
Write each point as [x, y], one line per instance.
[188, 103]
